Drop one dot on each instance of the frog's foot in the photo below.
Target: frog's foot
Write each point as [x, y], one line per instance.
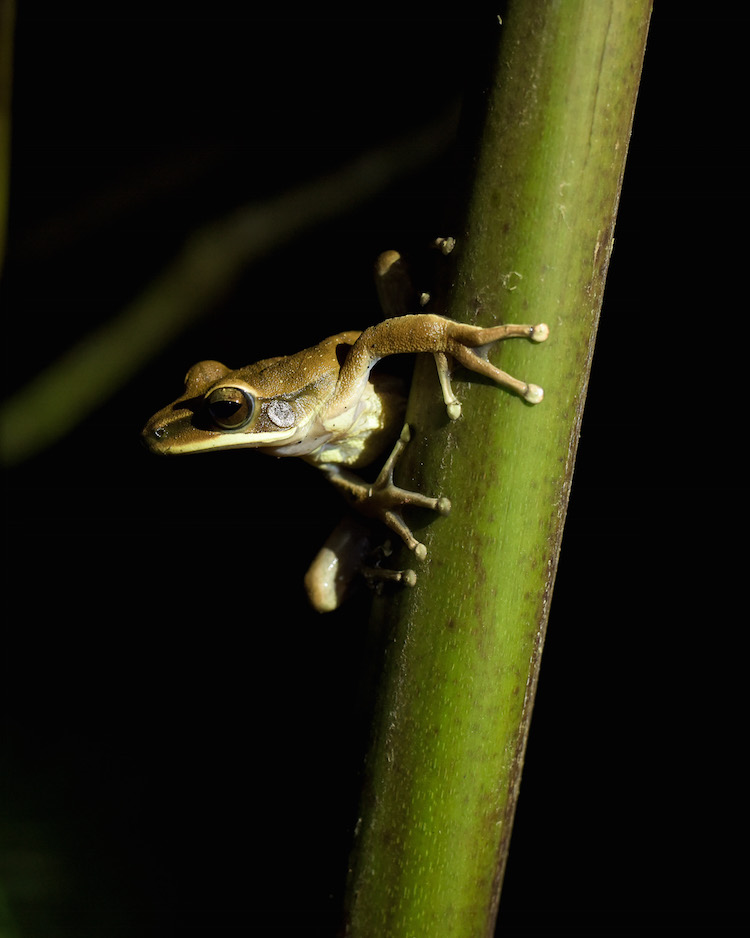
[383, 499]
[386, 499]
[469, 345]
[376, 575]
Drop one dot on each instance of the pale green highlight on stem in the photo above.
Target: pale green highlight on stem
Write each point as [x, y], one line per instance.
[463, 647]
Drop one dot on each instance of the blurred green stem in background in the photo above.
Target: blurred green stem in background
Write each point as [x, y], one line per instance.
[463, 648]
[212, 260]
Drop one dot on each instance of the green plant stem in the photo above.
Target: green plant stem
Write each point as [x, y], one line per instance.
[463, 647]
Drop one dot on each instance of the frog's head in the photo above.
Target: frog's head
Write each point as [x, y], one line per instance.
[221, 409]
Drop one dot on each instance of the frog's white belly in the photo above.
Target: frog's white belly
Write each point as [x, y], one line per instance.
[357, 434]
[351, 430]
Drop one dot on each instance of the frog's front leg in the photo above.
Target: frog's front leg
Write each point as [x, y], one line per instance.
[446, 340]
[383, 499]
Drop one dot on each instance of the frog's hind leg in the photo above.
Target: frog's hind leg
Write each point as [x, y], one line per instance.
[469, 345]
[392, 281]
[396, 291]
[347, 555]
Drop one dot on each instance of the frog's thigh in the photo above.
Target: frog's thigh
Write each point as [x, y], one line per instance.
[332, 572]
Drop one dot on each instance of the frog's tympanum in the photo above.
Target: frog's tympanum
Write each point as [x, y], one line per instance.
[327, 405]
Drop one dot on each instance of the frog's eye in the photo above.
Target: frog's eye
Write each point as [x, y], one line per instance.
[230, 408]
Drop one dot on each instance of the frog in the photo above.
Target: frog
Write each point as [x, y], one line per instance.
[332, 407]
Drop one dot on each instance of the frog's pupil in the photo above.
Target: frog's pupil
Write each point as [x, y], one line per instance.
[222, 410]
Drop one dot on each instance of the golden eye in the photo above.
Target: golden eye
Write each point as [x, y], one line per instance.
[230, 408]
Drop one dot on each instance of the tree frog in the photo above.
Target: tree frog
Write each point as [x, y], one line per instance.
[330, 406]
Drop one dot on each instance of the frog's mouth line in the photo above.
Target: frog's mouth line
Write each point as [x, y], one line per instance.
[169, 438]
[239, 440]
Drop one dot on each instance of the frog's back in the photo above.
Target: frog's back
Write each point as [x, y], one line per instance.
[312, 367]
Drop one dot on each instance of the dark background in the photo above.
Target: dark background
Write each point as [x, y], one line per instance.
[183, 738]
